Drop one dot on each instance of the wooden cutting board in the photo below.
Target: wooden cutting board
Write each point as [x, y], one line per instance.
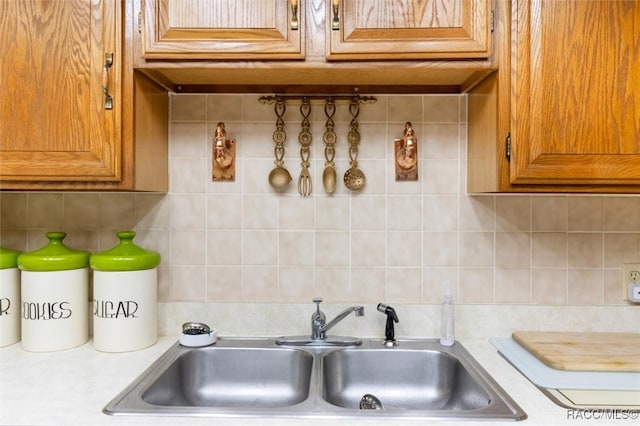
[583, 351]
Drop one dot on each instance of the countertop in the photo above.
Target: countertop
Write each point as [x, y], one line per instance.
[71, 387]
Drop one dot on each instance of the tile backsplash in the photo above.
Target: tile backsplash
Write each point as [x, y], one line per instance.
[399, 242]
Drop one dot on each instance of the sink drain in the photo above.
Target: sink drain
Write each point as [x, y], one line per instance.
[370, 402]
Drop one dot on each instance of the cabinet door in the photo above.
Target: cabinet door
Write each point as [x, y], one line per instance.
[53, 121]
[223, 29]
[576, 106]
[409, 29]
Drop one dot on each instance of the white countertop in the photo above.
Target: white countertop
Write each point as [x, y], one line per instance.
[71, 387]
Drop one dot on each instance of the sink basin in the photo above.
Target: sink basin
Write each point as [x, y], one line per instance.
[258, 378]
[234, 377]
[401, 379]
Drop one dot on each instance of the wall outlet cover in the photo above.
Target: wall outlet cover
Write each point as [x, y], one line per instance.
[630, 275]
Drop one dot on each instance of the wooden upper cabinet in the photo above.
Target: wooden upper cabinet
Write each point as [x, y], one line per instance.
[409, 29]
[73, 113]
[576, 105]
[54, 124]
[223, 29]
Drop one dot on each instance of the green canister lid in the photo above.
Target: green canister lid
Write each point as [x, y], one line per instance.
[126, 256]
[55, 256]
[8, 258]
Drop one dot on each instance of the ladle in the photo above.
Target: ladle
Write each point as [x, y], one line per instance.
[329, 137]
[279, 177]
[354, 178]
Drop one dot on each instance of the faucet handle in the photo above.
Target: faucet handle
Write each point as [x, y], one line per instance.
[317, 301]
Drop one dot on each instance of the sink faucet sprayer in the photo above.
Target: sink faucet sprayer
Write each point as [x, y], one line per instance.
[389, 331]
[319, 326]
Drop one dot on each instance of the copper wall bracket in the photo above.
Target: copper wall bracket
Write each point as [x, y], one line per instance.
[224, 155]
[406, 155]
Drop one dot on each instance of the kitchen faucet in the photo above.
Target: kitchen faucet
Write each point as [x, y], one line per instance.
[319, 326]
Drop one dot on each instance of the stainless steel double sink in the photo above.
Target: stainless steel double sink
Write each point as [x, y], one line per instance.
[256, 377]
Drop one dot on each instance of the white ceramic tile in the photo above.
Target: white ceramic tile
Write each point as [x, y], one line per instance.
[117, 211]
[404, 248]
[477, 213]
[368, 213]
[293, 212]
[188, 107]
[224, 211]
[436, 280]
[296, 248]
[439, 141]
[368, 248]
[404, 213]
[513, 250]
[332, 285]
[548, 249]
[440, 249]
[331, 248]
[260, 212]
[260, 284]
[225, 107]
[224, 283]
[404, 285]
[549, 213]
[153, 211]
[188, 247]
[188, 175]
[513, 286]
[188, 139]
[441, 109]
[224, 247]
[440, 213]
[188, 211]
[13, 210]
[46, 211]
[440, 176]
[333, 213]
[477, 249]
[188, 283]
[259, 247]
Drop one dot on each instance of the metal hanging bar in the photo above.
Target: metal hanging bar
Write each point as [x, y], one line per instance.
[270, 100]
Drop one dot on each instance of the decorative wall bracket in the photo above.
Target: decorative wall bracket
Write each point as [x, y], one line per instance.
[224, 155]
[406, 155]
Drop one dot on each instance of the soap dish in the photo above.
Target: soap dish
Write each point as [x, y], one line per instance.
[196, 334]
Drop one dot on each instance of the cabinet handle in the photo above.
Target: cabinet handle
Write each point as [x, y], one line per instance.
[108, 62]
[335, 22]
[294, 14]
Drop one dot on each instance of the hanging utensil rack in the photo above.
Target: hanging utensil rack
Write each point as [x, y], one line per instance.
[269, 100]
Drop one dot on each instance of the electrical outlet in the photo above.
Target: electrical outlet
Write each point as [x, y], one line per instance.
[630, 275]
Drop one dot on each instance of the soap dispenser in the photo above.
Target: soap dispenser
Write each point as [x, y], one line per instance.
[447, 337]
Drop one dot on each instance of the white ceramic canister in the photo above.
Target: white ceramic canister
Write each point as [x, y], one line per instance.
[55, 296]
[125, 296]
[9, 297]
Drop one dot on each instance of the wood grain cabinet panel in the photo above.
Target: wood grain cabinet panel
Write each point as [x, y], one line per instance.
[53, 121]
[577, 92]
[410, 29]
[66, 112]
[564, 107]
[223, 29]
[431, 46]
